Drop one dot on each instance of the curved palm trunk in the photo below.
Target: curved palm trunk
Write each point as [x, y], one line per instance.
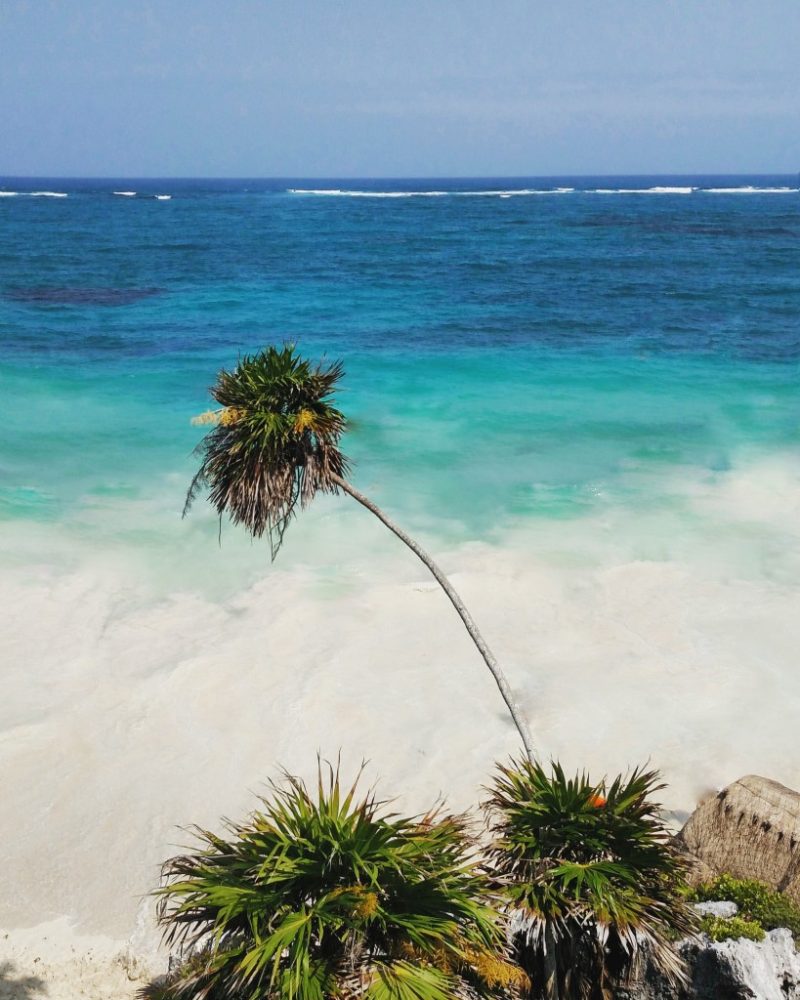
[458, 604]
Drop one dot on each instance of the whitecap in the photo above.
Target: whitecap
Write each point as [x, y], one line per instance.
[163, 197]
[650, 190]
[337, 192]
[513, 192]
[501, 193]
[48, 194]
[749, 189]
[8, 194]
[126, 194]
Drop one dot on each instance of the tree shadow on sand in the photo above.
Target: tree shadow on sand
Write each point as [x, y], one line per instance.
[14, 987]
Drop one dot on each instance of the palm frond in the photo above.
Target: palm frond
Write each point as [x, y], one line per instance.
[590, 875]
[274, 442]
[330, 894]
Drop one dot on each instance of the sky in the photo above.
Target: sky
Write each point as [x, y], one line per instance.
[394, 88]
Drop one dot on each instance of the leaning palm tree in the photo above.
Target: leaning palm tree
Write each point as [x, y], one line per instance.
[275, 445]
[592, 879]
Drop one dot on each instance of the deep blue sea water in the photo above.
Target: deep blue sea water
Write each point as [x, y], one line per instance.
[515, 348]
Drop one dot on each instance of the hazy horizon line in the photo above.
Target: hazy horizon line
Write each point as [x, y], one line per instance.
[384, 177]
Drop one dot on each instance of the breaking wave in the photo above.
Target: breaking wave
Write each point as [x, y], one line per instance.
[510, 193]
[339, 193]
[522, 192]
[749, 189]
[650, 190]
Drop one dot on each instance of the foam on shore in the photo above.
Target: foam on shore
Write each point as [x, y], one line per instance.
[133, 707]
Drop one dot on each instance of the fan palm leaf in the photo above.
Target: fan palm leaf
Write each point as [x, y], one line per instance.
[591, 878]
[314, 897]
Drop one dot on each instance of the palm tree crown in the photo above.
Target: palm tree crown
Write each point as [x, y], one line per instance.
[275, 443]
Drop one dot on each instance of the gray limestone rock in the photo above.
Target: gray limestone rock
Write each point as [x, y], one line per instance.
[730, 970]
[726, 909]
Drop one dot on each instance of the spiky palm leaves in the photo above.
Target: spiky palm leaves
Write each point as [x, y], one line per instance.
[329, 896]
[275, 442]
[590, 877]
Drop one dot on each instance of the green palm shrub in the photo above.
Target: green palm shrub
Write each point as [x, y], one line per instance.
[329, 896]
[590, 877]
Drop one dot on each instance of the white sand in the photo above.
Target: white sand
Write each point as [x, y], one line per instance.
[51, 962]
[127, 712]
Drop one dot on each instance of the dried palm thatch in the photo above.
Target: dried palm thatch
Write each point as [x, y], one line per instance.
[751, 829]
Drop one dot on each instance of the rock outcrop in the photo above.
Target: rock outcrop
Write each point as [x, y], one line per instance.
[729, 970]
[751, 829]
[725, 909]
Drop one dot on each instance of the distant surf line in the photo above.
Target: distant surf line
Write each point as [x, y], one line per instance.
[33, 194]
[524, 192]
[511, 193]
[65, 194]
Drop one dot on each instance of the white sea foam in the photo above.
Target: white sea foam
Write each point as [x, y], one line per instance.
[512, 192]
[502, 193]
[339, 193]
[126, 194]
[144, 699]
[749, 189]
[163, 197]
[489, 193]
[33, 194]
[650, 190]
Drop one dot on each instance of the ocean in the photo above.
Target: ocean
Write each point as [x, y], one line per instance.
[581, 394]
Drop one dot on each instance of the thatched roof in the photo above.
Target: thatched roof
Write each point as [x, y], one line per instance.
[751, 829]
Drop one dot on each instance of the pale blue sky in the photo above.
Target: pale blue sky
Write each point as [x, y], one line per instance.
[398, 87]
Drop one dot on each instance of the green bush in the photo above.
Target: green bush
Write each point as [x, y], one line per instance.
[326, 895]
[590, 875]
[728, 928]
[757, 902]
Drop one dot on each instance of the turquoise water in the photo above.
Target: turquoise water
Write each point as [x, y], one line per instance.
[510, 356]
